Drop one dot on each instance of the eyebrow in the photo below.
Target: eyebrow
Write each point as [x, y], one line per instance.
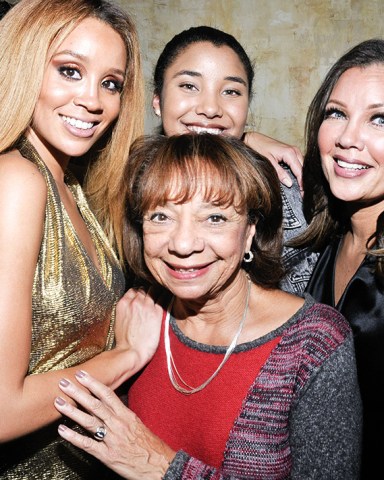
[80, 56]
[193, 73]
[370, 107]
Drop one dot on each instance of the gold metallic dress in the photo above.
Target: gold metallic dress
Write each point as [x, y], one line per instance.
[72, 321]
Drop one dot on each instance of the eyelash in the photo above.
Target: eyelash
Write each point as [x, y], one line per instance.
[217, 216]
[378, 116]
[330, 111]
[159, 217]
[188, 86]
[155, 217]
[232, 92]
[65, 69]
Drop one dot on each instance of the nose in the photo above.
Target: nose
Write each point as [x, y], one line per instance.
[89, 97]
[209, 105]
[351, 136]
[185, 239]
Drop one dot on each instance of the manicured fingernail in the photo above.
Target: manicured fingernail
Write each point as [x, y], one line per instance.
[81, 374]
[287, 182]
[60, 401]
[62, 428]
[64, 382]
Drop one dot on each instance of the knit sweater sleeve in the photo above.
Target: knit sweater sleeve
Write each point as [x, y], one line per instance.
[325, 424]
[325, 427]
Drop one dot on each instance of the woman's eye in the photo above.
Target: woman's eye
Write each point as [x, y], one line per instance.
[333, 113]
[378, 120]
[158, 217]
[232, 93]
[188, 86]
[70, 73]
[216, 218]
[113, 85]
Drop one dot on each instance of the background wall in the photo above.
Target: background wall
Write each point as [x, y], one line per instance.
[292, 42]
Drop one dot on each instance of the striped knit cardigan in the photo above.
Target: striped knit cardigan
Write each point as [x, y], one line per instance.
[310, 375]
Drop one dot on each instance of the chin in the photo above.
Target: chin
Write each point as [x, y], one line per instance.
[186, 294]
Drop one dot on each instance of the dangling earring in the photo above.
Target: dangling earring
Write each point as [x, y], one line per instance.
[248, 257]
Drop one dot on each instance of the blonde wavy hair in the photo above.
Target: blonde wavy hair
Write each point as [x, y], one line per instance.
[30, 32]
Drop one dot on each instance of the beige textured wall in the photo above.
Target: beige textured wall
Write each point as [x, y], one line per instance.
[293, 43]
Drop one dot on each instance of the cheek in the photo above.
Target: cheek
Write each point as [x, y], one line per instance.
[52, 98]
[326, 138]
[239, 114]
[171, 112]
[375, 147]
[55, 90]
[112, 106]
[233, 246]
[152, 248]
[326, 141]
[150, 262]
[321, 138]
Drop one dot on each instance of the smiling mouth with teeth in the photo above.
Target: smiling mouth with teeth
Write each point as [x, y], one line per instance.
[78, 123]
[213, 131]
[351, 166]
[182, 270]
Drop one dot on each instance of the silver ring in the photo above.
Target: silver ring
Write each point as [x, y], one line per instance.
[100, 433]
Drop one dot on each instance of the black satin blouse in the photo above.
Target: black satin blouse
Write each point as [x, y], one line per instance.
[362, 303]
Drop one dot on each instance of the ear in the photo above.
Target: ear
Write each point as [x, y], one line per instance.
[156, 105]
[249, 237]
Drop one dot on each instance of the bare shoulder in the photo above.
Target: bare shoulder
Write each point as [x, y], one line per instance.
[13, 160]
[23, 193]
[21, 176]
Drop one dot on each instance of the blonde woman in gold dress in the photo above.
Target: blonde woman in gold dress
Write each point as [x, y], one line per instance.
[70, 86]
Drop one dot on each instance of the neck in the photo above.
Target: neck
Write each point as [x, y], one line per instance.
[176, 379]
[363, 223]
[215, 320]
[56, 161]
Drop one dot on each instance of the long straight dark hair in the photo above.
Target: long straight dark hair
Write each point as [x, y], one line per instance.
[322, 210]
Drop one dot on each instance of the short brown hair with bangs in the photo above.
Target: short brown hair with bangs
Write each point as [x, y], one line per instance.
[175, 168]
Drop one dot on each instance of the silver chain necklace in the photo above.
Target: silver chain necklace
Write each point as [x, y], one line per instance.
[173, 373]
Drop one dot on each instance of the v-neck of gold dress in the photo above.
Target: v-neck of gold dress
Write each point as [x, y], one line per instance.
[73, 312]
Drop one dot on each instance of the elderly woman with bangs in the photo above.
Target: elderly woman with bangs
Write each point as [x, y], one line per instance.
[248, 381]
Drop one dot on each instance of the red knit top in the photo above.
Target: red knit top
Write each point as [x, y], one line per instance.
[198, 423]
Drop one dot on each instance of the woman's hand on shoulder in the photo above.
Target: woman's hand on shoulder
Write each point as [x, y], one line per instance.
[126, 445]
[138, 323]
[278, 152]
